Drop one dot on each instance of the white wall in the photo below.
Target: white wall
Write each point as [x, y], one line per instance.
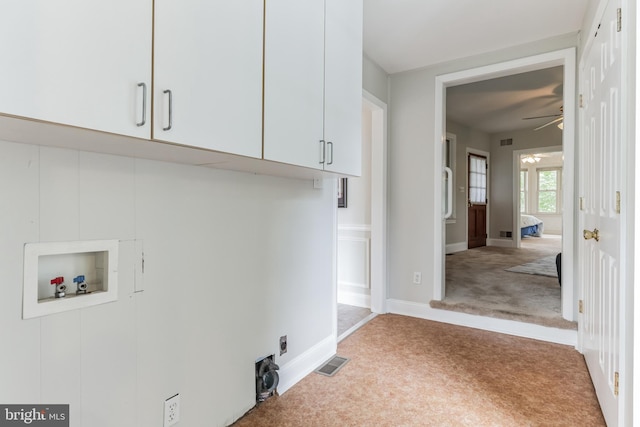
[232, 262]
[375, 79]
[412, 243]
[465, 138]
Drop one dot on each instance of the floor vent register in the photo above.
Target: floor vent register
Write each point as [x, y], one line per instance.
[331, 367]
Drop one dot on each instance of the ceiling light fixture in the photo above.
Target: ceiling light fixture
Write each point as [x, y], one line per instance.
[530, 159]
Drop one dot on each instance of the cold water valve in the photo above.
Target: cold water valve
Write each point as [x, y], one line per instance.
[60, 286]
[80, 284]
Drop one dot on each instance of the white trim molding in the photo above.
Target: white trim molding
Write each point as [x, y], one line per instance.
[509, 327]
[362, 261]
[307, 362]
[452, 248]
[378, 261]
[364, 228]
[351, 298]
[503, 243]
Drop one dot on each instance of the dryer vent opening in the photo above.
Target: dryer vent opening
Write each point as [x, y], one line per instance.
[267, 378]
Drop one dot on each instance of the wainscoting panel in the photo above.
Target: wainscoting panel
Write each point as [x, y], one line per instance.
[354, 261]
[354, 265]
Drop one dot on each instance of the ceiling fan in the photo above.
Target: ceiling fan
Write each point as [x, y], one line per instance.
[558, 119]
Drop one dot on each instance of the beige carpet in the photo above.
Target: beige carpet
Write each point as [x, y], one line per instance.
[412, 372]
[477, 283]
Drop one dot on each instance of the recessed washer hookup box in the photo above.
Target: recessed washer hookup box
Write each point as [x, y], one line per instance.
[63, 276]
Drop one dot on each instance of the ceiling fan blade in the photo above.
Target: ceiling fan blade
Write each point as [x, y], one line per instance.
[550, 123]
[542, 117]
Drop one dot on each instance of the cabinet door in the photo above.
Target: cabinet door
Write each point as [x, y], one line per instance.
[208, 66]
[294, 81]
[343, 86]
[77, 62]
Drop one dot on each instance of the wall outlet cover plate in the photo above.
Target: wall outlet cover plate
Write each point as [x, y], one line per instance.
[172, 411]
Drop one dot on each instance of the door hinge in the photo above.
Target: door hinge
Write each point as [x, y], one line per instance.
[617, 202]
[581, 104]
[616, 383]
[619, 19]
[580, 306]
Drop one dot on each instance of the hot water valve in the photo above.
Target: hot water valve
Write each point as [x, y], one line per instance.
[60, 286]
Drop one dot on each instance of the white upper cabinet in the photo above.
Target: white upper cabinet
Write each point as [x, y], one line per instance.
[294, 82]
[208, 74]
[343, 86]
[279, 80]
[313, 84]
[83, 63]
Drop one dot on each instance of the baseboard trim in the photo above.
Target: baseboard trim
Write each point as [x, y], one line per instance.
[503, 243]
[509, 327]
[358, 300]
[303, 365]
[456, 247]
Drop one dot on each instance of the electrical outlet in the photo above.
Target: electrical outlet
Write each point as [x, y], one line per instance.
[172, 411]
[283, 345]
[417, 277]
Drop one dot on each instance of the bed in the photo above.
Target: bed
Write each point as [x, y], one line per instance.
[530, 226]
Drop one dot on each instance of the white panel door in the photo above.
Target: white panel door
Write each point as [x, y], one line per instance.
[343, 86]
[77, 62]
[294, 82]
[600, 180]
[208, 74]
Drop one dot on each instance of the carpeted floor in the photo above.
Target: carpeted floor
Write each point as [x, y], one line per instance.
[412, 372]
[349, 316]
[477, 283]
[545, 266]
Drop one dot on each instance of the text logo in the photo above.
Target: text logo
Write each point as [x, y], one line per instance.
[34, 415]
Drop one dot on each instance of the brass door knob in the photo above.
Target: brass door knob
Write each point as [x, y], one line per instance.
[591, 234]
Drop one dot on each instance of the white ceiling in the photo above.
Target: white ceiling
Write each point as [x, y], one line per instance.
[401, 35]
[502, 104]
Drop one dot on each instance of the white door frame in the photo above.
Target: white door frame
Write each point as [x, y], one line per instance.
[564, 57]
[378, 201]
[378, 252]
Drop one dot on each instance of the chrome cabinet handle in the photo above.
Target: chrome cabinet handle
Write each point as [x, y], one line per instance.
[322, 152]
[591, 234]
[330, 144]
[168, 92]
[144, 104]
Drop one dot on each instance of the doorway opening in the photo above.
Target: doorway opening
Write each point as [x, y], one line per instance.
[564, 58]
[361, 228]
